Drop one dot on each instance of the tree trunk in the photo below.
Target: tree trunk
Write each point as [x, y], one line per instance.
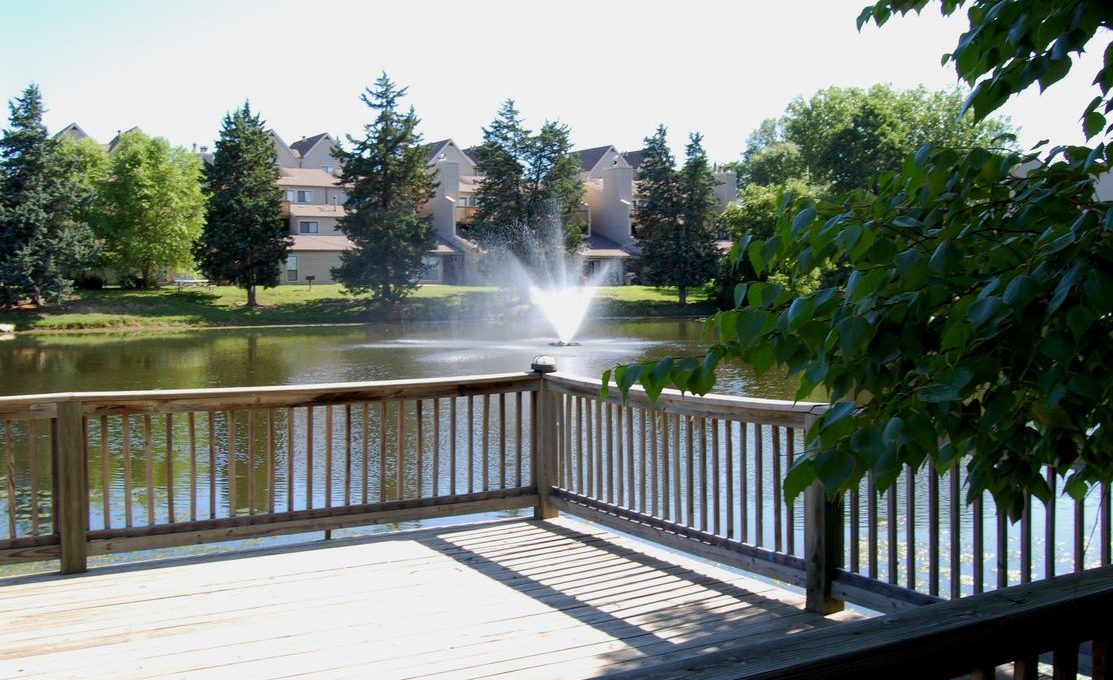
[251, 302]
[683, 290]
[37, 297]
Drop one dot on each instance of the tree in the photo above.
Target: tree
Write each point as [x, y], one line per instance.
[531, 194]
[41, 244]
[150, 208]
[676, 221]
[389, 177]
[975, 322]
[245, 239]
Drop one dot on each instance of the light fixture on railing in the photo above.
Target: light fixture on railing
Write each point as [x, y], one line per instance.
[543, 363]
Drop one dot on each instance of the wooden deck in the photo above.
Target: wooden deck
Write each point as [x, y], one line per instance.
[515, 598]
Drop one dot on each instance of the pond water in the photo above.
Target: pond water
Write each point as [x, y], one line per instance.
[36, 364]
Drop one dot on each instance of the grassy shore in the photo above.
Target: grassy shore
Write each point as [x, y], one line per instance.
[169, 308]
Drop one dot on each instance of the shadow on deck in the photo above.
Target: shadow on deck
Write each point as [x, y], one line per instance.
[558, 599]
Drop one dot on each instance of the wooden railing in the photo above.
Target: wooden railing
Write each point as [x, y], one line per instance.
[95, 473]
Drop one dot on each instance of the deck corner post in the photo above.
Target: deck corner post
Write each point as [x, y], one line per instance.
[823, 540]
[72, 506]
[545, 454]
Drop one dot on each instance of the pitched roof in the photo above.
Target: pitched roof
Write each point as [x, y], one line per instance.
[306, 177]
[116, 140]
[73, 131]
[600, 246]
[435, 148]
[470, 152]
[589, 158]
[304, 146]
[634, 158]
[317, 210]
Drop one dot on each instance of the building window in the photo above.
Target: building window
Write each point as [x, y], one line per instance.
[305, 196]
[289, 196]
[305, 227]
[291, 267]
[327, 168]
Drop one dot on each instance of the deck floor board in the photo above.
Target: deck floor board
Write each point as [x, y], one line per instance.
[555, 599]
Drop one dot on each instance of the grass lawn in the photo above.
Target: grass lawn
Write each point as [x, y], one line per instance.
[169, 308]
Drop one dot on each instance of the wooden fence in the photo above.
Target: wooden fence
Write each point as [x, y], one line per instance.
[95, 473]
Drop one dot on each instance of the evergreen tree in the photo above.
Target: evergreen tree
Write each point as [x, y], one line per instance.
[41, 244]
[389, 177]
[531, 194]
[245, 239]
[676, 218]
[150, 208]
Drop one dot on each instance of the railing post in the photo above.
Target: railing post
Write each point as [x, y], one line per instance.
[72, 505]
[823, 541]
[545, 454]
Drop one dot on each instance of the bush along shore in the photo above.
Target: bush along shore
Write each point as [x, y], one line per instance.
[223, 306]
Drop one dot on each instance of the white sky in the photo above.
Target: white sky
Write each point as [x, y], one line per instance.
[610, 69]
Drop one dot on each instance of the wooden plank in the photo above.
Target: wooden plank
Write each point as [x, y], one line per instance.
[291, 450]
[73, 504]
[728, 485]
[191, 420]
[470, 426]
[486, 460]
[891, 523]
[382, 452]
[879, 596]
[400, 470]
[545, 454]
[910, 526]
[1002, 557]
[790, 516]
[420, 422]
[106, 476]
[744, 482]
[1026, 540]
[519, 449]
[689, 470]
[170, 467]
[716, 473]
[126, 435]
[759, 486]
[933, 530]
[978, 547]
[328, 455]
[872, 545]
[502, 442]
[365, 440]
[149, 467]
[777, 504]
[212, 464]
[233, 500]
[1049, 526]
[272, 464]
[956, 546]
[437, 446]
[33, 471]
[251, 462]
[643, 460]
[347, 454]
[9, 473]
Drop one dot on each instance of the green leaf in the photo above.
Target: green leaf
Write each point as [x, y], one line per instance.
[833, 468]
[945, 259]
[854, 335]
[762, 359]
[799, 477]
[982, 310]
[605, 389]
[803, 220]
[937, 392]
[1020, 291]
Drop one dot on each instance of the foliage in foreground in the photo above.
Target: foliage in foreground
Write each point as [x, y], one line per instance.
[976, 318]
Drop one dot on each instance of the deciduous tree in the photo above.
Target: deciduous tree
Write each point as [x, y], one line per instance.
[41, 243]
[245, 238]
[150, 208]
[387, 171]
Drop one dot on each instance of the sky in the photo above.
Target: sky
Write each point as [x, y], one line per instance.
[612, 70]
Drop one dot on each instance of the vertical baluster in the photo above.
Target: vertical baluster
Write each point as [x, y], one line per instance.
[328, 455]
[534, 434]
[665, 468]
[871, 524]
[703, 475]
[1026, 540]
[777, 505]
[452, 447]
[9, 457]
[250, 462]
[933, 529]
[677, 512]
[1002, 548]
[272, 460]
[486, 442]
[891, 526]
[518, 453]
[233, 506]
[759, 486]
[502, 440]
[400, 479]
[290, 448]
[170, 468]
[347, 454]
[978, 547]
[1106, 526]
[618, 461]
[690, 469]
[149, 467]
[643, 480]
[630, 470]
[744, 482]
[308, 457]
[579, 460]
[420, 446]
[33, 469]
[716, 508]
[365, 436]
[437, 444]
[956, 534]
[471, 444]
[1064, 659]
[106, 476]
[599, 478]
[608, 452]
[910, 525]
[853, 549]
[128, 505]
[212, 465]
[382, 451]
[790, 516]
[569, 441]
[728, 456]
[1049, 526]
[1079, 536]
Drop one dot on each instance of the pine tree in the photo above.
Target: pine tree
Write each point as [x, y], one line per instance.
[245, 239]
[41, 244]
[389, 177]
[676, 218]
[531, 193]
